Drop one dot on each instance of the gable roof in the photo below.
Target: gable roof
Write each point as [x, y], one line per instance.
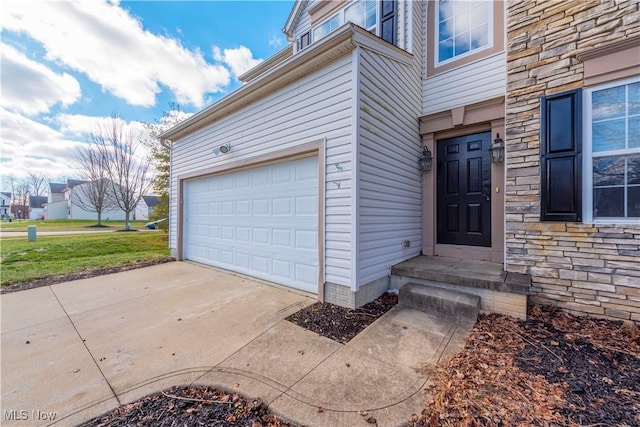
[55, 187]
[73, 182]
[7, 195]
[37, 201]
[293, 17]
[151, 201]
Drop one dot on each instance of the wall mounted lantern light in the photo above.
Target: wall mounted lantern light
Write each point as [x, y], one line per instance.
[224, 149]
[425, 161]
[497, 150]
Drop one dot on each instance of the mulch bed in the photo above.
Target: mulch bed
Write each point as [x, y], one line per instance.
[342, 324]
[84, 274]
[553, 369]
[190, 406]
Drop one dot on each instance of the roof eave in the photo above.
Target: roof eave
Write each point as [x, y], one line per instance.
[267, 64]
[289, 70]
[333, 46]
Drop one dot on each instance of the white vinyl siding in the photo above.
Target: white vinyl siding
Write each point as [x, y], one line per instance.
[303, 23]
[418, 9]
[313, 108]
[475, 82]
[389, 183]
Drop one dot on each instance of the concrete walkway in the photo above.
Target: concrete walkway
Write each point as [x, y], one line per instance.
[75, 350]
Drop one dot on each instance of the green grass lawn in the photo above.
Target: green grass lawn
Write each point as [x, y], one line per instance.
[23, 261]
[65, 224]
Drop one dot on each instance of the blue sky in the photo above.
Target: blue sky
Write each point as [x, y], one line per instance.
[67, 65]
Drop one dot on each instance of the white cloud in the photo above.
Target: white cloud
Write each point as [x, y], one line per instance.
[30, 87]
[30, 146]
[275, 40]
[112, 49]
[82, 126]
[240, 60]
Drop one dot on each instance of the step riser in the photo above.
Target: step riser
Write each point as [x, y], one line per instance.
[445, 302]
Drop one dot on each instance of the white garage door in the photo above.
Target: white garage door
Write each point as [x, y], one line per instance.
[262, 222]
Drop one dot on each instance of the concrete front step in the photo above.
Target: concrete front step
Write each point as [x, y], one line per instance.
[438, 300]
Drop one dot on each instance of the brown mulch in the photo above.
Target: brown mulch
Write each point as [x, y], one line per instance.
[84, 274]
[342, 324]
[553, 369]
[190, 406]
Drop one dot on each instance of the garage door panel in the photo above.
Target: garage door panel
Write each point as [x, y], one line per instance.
[282, 237]
[261, 236]
[261, 222]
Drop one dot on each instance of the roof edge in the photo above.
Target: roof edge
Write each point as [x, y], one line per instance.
[336, 44]
[292, 17]
[268, 63]
[271, 79]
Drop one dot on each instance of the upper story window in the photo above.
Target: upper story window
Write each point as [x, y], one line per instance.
[362, 13]
[326, 27]
[462, 27]
[463, 32]
[304, 40]
[378, 17]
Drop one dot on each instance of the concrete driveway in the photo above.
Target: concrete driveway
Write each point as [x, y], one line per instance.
[75, 350]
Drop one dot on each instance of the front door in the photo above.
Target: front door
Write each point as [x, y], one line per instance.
[464, 190]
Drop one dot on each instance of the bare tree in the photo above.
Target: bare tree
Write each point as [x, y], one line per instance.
[160, 159]
[127, 163]
[20, 198]
[95, 195]
[38, 182]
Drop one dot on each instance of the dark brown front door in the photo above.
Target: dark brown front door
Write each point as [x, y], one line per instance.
[464, 190]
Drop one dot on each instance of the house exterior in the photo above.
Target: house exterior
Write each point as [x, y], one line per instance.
[56, 207]
[5, 205]
[37, 206]
[144, 210]
[65, 202]
[314, 173]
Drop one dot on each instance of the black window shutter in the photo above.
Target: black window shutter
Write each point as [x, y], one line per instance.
[561, 157]
[388, 21]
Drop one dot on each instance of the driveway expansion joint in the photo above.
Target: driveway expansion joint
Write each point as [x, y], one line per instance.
[115, 395]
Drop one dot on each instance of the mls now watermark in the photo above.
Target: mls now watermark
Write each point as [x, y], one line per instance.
[25, 415]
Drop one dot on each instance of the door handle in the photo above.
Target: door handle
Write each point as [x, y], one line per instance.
[487, 192]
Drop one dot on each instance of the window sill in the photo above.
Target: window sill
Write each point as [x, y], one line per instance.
[613, 221]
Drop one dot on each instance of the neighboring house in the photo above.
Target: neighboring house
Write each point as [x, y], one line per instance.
[36, 207]
[308, 175]
[56, 207]
[65, 203]
[144, 210]
[5, 205]
[77, 194]
[56, 192]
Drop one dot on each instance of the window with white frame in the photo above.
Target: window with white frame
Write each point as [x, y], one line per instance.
[462, 27]
[612, 151]
[326, 27]
[363, 14]
[373, 15]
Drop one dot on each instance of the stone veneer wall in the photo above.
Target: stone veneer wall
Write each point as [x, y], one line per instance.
[584, 268]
